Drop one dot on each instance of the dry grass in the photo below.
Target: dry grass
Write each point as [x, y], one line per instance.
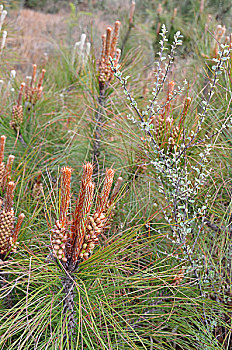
[34, 34]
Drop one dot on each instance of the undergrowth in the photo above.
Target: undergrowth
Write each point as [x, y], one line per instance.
[115, 177]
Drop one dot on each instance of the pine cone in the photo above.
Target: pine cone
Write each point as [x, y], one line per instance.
[94, 228]
[16, 117]
[12, 245]
[174, 136]
[161, 126]
[32, 95]
[104, 72]
[164, 131]
[6, 228]
[2, 172]
[37, 190]
[59, 239]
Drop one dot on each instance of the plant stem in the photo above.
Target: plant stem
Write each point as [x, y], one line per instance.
[68, 311]
[98, 132]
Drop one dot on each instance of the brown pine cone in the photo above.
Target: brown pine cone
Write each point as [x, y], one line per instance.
[59, 239]
[6, 229]
[2, 172]
[16, 117]
[95, 226]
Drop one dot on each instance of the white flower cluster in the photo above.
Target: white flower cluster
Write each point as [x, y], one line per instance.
[3, 14]
[161, 74]
[180, 185]
[3, 34]
[179, 181]
[82, 50]
[9, 90]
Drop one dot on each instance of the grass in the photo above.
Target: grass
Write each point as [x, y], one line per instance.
[160, 275]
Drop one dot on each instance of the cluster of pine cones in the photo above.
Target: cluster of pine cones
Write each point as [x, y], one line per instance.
[166, 134]
[32, 94]
[8, 230]
[74, 240]
[109, 44]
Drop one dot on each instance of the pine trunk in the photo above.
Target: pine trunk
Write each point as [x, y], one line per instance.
[98, 133]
